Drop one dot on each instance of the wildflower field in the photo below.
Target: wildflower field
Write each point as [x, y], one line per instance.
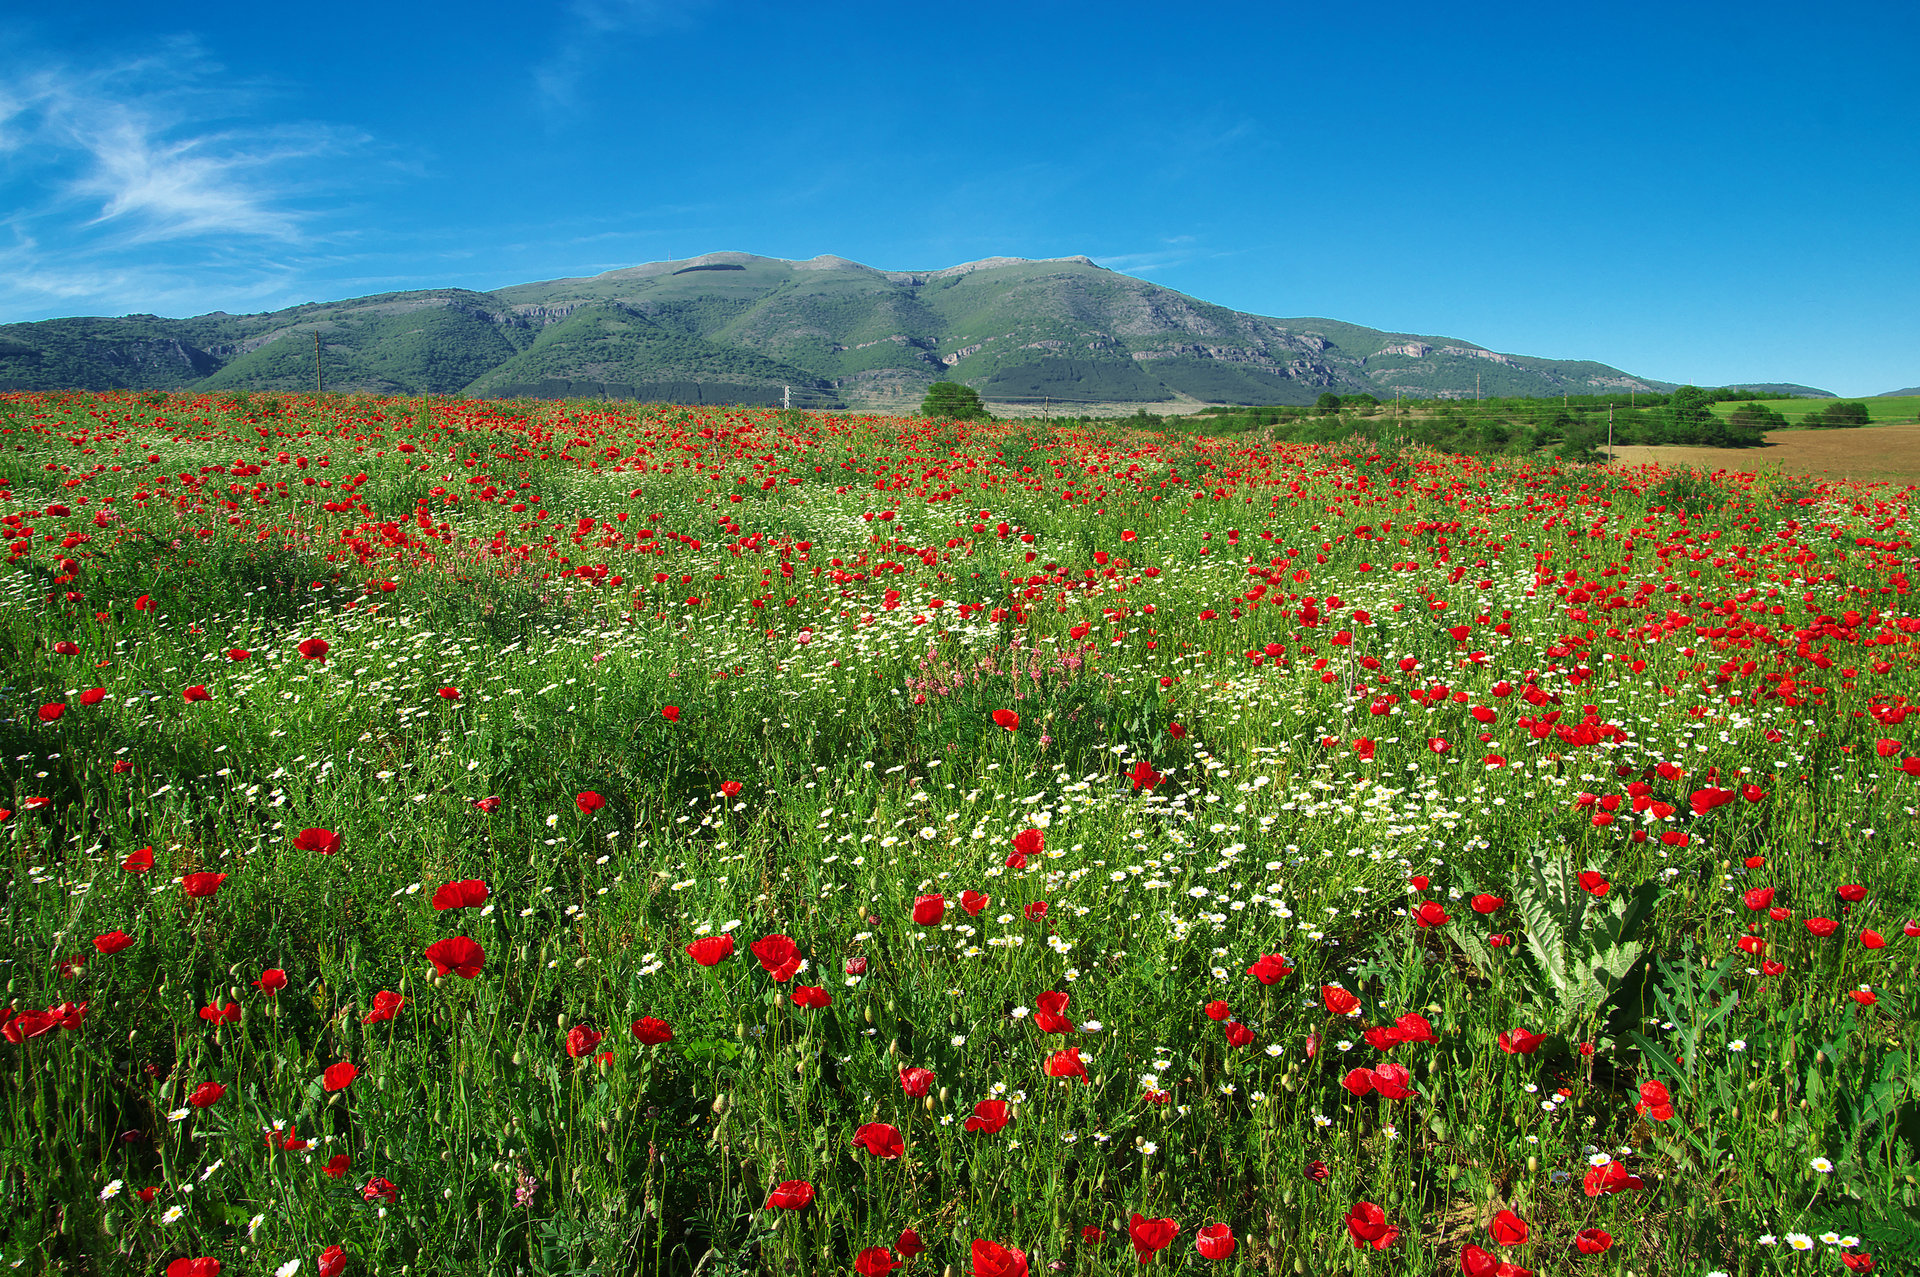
[462, 837]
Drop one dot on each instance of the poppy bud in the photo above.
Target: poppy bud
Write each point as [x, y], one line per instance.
[720, 1104]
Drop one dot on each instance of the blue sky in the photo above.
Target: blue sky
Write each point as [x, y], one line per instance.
[1694, 192]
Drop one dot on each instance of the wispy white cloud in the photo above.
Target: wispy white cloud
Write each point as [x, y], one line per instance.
[593, 29]
[143, 180]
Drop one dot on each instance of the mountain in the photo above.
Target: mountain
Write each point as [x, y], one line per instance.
[736, 328]
[1892, 394]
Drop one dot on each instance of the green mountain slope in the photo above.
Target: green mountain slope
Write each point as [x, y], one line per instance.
[832, 331]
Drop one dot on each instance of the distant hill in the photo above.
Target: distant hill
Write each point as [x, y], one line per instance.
[736, 328]
[1891, 394]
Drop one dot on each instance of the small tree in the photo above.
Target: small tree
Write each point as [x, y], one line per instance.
[1839, 414]
[949, 400]
[1327, 404]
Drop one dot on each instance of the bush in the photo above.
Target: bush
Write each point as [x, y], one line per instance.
[1838, 415]
[952, 401]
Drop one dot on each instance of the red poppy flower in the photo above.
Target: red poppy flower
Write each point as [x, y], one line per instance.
[928, 910]
[1150, 1236]
[916, 1082]
[778, 956]
[380, 1190]
[1382, 1037]
[450, 693]
[1367, 1225]
[197, 692]
[1484, 903]
[1007, 718]
[671, 713]
[93, 696]
[1757, 898]
[581, 1040]
[468, 893]
[324, 841]
[1594, 884]
[1593, 1241]
[1065, 1063]
[1822, 927]
[113, 942]
[589, 802]
[1270, 968]
[1049, 1014]
[991, 1259]
[793, 1194]
[1238, 1034]
[271, 981]
[332, 1262]
[1611, 1178]
[1853, 893]
[138, 862]
[988, 1117]
[1414, 1028]
[1143, 776]
[1705, 800]
[315, 649]
[456, 954]
[338, 1076]
[1338, 1001]
[973, 902]
[336, 1166]
[1520, 1042]
[202, 885]
[1431, 913]
[214, 1013]
[710, 950]
[806, 995]
[1871, 939]
[1393, 1081]
[1036, 911]
[909, 1244]
[1318, 1172]
[651, 1031]
[1865, 997]
[51, 712]
[206, 1094]
[1507, 1229]
[143, 604]
[1655, 1101]
[238, 654]
[731, 788]
[386, 1005]
[875, 1261]
[489, 805]
[1215, 1242]
[1028, 842]
[206, 1266]
[1857, 1261]
[881, 1140]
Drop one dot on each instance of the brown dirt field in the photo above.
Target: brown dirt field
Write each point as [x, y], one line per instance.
[1888, 453]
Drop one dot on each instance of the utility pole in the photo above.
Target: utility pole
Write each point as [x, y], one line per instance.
[1476, 387]
[786, 398]
[318, 385]
[1609, 434]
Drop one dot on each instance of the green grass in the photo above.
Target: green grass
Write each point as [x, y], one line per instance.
[1886, 410]
[793, 738]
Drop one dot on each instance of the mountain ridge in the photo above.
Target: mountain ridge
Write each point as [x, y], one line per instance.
[738, 327]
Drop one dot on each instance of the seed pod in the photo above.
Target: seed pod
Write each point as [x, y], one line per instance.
[1533, 1165]
[943, 1095]
[720, 1104]
[868, 1012]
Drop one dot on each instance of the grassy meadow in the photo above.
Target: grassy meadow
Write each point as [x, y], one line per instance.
[1882, 409]
[488, 837]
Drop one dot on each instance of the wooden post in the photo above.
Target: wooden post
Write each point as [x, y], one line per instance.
[318, 384]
